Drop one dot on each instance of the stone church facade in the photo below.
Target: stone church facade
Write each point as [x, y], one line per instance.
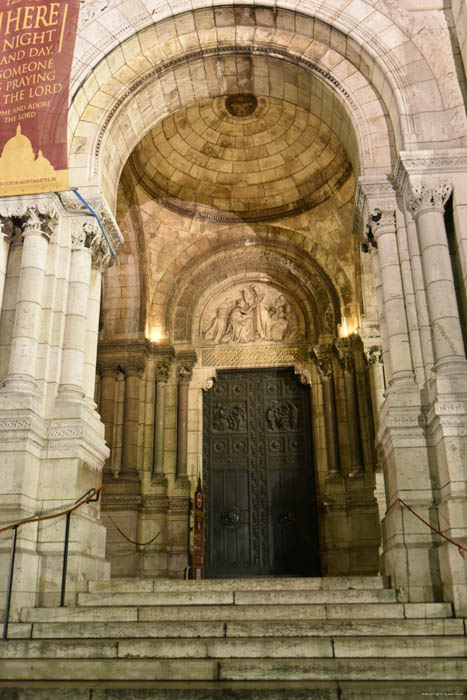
[282, 189]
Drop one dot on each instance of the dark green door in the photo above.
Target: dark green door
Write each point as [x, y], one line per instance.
[259, 477]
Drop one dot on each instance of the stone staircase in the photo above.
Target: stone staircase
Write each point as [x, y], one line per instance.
[262, 638]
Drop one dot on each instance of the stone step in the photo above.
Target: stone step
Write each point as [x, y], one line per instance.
[226, 613]
[284, 628]
[328, 583]
[253, 648]
[279, 670]
[209, 597]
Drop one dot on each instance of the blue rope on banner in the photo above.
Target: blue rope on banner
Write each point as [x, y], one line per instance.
[81, 199]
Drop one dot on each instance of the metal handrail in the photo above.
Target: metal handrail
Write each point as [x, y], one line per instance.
[460, 548]
[91, 496]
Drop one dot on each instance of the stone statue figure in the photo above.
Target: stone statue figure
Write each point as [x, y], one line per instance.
[217, 327]
[238, 328]
[254, 317]
[261, 317]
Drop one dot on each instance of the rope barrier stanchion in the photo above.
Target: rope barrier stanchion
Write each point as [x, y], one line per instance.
[460, 548]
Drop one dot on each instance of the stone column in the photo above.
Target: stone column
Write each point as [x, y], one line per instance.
[376, 371]
[133, 370]
[383, 229]
[323, 357]
[6, 230]
[427, 205]
[184, 373]
[100, 259]
[108, 374]
[75, 336]
[37, 230]
[162, 377]
[346, 353]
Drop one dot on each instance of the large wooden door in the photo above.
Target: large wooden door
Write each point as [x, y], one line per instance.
[258, 476]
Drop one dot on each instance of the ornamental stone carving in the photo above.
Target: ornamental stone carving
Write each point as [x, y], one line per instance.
[423, 196]
[162, 372]
[36, 220]
[323, 357]
[374, 355]
[86, 233]
[252, 313]
[380, 222]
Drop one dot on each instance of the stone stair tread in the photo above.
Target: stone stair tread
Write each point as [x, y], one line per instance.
[238, 612]
[277, 669]
[252, 648]
[266, 628]
[329, 583]
[235, 597]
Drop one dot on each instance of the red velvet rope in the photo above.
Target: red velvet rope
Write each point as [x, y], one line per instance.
[460, 548]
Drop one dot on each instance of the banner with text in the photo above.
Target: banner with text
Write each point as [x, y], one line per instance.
[37, 39]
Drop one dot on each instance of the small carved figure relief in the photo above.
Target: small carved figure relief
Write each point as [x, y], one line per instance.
[257, 314]
[229, 420]
[282, 416]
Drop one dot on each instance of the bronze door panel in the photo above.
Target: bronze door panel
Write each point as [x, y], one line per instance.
[258, 476]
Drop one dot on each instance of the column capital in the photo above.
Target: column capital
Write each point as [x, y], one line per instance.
[7, 227]
[132, 366]
[184, 373]
[345, 352]
[374, 355]
[86, 234]
[108, 369]
[371, 192]
[98, 204]
[162, 371]
[39, 220]
[380, 221]
[186, 360]
[323, 357]
[428, 196]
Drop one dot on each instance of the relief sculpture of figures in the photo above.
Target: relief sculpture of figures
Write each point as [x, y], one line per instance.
[282, 416]
[233, 419]
[255, 315]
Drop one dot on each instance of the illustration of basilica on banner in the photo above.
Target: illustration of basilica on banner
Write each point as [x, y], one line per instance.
[251, 313]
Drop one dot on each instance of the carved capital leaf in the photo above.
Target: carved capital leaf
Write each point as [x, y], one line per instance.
[428, 196]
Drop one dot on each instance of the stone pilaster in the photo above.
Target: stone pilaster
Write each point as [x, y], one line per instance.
[161, 379]
[101, 258]
[323, 355]
[345, 350]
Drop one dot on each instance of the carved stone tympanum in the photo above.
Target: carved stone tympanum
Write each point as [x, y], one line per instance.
[251, 314]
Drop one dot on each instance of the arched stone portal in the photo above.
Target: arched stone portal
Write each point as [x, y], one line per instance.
[336, 206]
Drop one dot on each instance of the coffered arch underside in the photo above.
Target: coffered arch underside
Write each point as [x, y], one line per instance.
[178, 62]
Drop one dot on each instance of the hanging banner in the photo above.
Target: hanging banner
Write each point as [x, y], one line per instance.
[37, 39]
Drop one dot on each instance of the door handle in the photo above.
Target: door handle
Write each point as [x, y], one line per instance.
[231, 518]
[286, 519]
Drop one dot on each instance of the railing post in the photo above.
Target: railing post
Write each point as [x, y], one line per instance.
[10, 583]
[65, 559]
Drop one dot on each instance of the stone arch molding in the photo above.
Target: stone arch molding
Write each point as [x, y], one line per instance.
[357, 84]
[287, 268]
